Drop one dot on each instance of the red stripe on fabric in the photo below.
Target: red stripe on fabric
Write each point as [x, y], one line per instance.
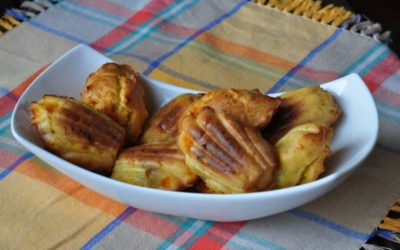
[107, 6]
[382, 71]
[317, 75]
[8, 101]
[8, 158]
[388, 96]
[152, 224]
[122, 11]
[206, 241]
[183, 238]
[177, 30]
[218, 235]
[126, 28]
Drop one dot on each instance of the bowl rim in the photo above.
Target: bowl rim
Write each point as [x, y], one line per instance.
[131, 187]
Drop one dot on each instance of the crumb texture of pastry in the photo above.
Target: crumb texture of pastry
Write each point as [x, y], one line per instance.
[306, 105]
[117, 91]
[302, 152]
[154, 165]
[163, 126]
[77, 133]
[250, 107]
[228, 156]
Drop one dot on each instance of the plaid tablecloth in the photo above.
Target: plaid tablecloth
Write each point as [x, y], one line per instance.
[200, 45]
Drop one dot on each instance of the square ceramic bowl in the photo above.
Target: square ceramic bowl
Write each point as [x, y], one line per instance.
[355, 135]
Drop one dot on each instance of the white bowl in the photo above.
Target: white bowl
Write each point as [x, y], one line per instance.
[355, 136]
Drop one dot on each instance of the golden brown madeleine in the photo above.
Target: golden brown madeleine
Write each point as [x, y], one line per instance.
[305, 105]
[154, 165]
[163, 126]
[229, 157]
[316, 168]
[117, 91]
[78, 133]
[302, 152]
[249, 107]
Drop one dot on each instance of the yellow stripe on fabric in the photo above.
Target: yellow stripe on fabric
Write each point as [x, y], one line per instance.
[214, 71]
[273, 32]
[34, 169]
[164, 77]
[138, 65]
[256, 56]
[35, 215]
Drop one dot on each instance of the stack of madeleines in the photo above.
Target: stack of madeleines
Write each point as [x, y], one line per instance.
[222, 141]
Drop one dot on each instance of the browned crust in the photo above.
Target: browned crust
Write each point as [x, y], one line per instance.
[69, 128]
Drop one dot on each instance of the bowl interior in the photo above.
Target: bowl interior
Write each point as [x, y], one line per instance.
[355, 133]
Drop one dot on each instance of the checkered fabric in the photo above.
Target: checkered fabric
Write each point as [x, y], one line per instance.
[200, 45]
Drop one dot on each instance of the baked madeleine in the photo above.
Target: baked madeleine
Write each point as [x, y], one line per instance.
[78, 133]
[229, 157]
[116, 90]
[154, 165]
[249, 107]
[301, 154]
[305, 105]
[163, 126]
[316, 168]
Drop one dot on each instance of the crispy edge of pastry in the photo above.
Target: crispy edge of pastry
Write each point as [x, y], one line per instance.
[124, 100]
[298, 149]
[250, 107]
[316, 168]
[104, 135]
[164, 125]
[296, 109]
[154, 165]
[228, 157]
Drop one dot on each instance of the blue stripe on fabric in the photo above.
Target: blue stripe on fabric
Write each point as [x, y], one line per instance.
[362, 58]
[4, 90]
[170, 218]
[387, 116]
[233, 245]
[241, 235]
[210, 25]
[152, 29]
[77, 39]
[303, 62]
[390, 235]
[16, 15]
[15, 165]
[115, 23]
[374, 63]
[172, 238]
[258, 240]
[197, 234]
[109, 228]
[12, 148]
[78, 8]
[56, 32]
[335, 227]
[5, 117]
[386, 105]
[68, 9]
[136, 56]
